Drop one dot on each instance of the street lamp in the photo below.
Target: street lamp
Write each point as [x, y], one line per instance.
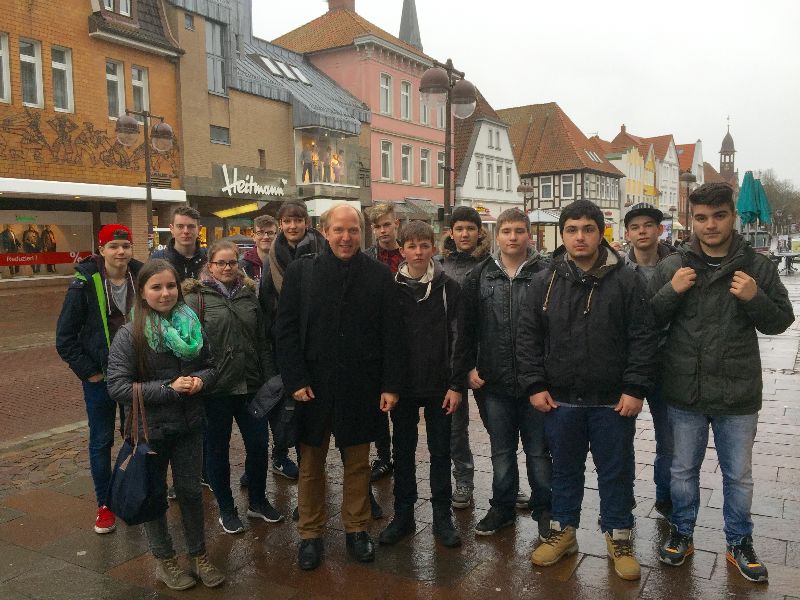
[525, 189]
[161, 138]
[687, 178]
[672, 210]
[442, 84]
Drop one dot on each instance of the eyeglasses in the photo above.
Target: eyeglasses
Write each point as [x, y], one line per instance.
[224, 263]
[263, 234]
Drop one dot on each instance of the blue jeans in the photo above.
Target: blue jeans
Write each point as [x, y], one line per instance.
[570, 432]
[663, 431]
[221, 412]
[507, 420]
[101, 412]
[733, 438]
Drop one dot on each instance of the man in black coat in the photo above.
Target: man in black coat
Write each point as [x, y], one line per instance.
[183, 250]
[587, 347]
[335, 332]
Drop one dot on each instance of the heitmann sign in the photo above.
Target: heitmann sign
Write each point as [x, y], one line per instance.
[248, 186]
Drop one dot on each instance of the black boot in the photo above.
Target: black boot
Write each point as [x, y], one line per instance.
[309, 555]
[401, 526]
[443, 528]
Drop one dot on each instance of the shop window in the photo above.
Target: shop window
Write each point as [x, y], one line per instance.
[405, 100]
[30, 63]
[386, 160]
[567, 187]
[440, 165]
[141, 91]
[406, 174]
[425, 166]
[220, 135]
[386, 94]
[324, 156]
[5, 82]
[215, 57]
[546, 187]
[61, 60]
[115, 89]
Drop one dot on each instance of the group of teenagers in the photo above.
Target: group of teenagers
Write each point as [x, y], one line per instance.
[559, 353]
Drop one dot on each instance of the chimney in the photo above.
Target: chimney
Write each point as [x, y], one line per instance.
[341, 5]
[622, 128]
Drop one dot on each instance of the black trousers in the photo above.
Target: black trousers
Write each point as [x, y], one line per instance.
[405, 419]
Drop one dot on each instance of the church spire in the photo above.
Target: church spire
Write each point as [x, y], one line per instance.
[409, 26]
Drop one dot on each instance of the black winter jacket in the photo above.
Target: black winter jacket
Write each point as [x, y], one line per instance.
[487, 337]
[430, 328]
[337, 331]
[83, 336]
[168, 412]
[711, 362]
[236, 328]
[187, 268]
[587, 339]
[457, 264]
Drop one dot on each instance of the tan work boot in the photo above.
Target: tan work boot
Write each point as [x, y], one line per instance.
[557, 543]
[210, 575]
[175, 578]
[620, 550]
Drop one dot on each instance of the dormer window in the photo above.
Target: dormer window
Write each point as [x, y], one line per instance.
[122, 7]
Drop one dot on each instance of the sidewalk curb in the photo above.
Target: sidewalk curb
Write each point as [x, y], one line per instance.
[41, 435]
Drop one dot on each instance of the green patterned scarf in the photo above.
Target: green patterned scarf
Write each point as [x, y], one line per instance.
[181, 333]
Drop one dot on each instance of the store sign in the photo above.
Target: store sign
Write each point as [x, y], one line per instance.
[248, 186]
[41, 258]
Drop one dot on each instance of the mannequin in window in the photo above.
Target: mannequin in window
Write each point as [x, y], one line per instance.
[30, 244]
[48, 244]
[316, 163]
[326, 165]
[305, 159]
[10, 244]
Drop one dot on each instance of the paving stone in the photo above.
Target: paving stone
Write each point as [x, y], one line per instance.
[15, 560]
[98, 552]
[8, 514]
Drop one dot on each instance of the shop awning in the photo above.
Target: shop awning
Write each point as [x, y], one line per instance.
[69, 190]
[676, 226]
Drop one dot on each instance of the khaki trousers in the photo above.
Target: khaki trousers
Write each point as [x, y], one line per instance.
[311, 489]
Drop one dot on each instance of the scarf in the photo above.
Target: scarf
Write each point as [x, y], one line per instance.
[416, 284]
[228, 292]
[181, 333]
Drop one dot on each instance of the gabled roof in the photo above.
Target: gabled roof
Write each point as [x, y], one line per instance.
[685, 156]
[711, 175]
[467, 129]
[320, 102]
[545, 140]
[625, 140]
[149, 27]
[601, 146]
[660, 144]
[336, 29]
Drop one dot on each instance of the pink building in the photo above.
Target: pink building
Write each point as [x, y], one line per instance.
[383, 71]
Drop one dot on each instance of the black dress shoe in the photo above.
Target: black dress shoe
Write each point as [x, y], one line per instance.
[360, 546]
[443, 528]
[309, 556]
[401, 526]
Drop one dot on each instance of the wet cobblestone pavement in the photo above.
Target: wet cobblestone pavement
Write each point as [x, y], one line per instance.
[49, 550]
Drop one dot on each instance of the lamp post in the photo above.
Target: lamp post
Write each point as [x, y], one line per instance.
[525, 189]
[442, 84]
[672, 210]
[687, 178]
[127, 131]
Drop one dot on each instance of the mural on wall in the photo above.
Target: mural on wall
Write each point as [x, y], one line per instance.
[63, 141]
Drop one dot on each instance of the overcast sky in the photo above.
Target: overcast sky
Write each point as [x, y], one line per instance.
[677, 67]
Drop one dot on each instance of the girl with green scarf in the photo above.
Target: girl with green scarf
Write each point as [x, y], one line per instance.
[163, 349]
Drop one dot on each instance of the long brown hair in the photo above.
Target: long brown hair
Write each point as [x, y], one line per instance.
[222, 245]
[142, 311]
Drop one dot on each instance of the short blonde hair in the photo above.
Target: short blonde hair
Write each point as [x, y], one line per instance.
[325, 217]
[378, 211]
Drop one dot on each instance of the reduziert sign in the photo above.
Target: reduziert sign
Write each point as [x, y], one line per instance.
[248, 186]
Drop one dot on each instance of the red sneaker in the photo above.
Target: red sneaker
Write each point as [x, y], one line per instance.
[105, 522]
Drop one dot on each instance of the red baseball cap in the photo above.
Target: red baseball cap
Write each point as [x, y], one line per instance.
[113, 231]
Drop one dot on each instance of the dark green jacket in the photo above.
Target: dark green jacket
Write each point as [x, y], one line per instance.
[237, 334]
[711, 360]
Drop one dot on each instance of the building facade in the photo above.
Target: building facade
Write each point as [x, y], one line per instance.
[383, 71]
[561, 165]
[485, 168]
[261, 123]
[62, 89]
